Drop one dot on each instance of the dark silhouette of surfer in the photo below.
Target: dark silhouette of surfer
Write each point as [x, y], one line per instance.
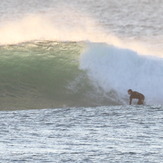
[136, 95]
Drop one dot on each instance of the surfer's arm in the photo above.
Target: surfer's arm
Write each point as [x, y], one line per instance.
[130, 100]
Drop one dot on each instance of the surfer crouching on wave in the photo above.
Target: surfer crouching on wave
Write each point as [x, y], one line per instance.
[136, 95]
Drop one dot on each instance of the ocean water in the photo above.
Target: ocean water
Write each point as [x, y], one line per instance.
[73, 62]
[98, 134]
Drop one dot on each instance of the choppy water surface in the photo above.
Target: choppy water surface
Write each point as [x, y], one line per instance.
[100, 134]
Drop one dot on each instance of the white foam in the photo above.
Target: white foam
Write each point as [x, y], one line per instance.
[121, 69]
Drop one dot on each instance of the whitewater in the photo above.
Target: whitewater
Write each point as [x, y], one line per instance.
[65, 68]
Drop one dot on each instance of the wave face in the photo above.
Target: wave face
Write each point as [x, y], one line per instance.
[57, 74]
[44, 75]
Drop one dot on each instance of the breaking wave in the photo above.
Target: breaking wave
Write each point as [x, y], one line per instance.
[46, 74]
[117, 69]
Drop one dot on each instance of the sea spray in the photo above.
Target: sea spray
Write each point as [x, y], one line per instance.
[70, 25]
[118, 69]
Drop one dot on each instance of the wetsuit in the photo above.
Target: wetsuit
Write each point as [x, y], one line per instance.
[137, 95]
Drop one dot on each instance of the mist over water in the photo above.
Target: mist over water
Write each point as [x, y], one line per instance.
[113, 22]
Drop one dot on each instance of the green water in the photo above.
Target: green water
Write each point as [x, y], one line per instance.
[44, 75]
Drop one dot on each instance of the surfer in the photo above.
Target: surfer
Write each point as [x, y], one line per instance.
[136, 95]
